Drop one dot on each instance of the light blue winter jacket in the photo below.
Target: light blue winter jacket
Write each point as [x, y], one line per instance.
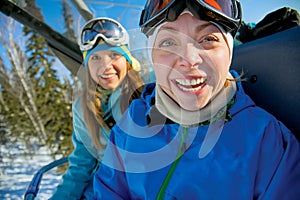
[77, 182]
[83, 161]
[255, 157]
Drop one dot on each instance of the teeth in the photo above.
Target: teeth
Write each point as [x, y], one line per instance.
[193, 82]
[107, 76]
[190, 89]
[190, 82]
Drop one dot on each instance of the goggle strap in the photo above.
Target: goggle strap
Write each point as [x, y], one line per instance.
[84, 54]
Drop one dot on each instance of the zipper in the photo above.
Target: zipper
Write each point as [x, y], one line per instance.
[162, 190]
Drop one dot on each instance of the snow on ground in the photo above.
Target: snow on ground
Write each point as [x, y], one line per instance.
[17, 169]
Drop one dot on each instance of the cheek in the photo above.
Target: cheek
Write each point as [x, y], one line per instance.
[221, 60]
[223, 56]
[121, 66]
[161, 73]
[163, 58]
[93, 72]
[162, 68]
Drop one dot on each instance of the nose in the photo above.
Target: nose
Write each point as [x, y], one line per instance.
[191, 56]
[107, 64]
[107, 60]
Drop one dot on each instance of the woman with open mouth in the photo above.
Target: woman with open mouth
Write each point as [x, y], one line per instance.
[195, 134]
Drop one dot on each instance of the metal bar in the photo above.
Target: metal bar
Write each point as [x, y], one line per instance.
[65, 49]
[34, 185]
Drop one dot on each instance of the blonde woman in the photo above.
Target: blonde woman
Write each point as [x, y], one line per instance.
[111, 81]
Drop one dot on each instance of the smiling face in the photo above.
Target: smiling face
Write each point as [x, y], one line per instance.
[191, 61]
[107, 68]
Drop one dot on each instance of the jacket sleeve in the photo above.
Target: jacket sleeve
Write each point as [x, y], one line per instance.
[279, 175]
[82, 164]
[78, 175]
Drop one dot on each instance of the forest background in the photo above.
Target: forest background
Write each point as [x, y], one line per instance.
[35, 102]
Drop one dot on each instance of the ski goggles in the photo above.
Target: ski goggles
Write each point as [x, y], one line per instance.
[111, 31]
[227, 13]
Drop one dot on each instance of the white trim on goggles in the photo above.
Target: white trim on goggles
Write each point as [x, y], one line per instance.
[227, 13]
[111, 31]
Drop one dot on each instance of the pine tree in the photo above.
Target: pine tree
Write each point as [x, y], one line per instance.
[34, 104]
[17, 95]
[54, 110]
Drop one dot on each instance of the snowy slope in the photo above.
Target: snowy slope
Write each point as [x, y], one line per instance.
[17, 169]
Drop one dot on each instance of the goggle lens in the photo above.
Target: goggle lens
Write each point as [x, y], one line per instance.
[223, 6]
[88, 35]
[156, 6]
[159, 10]
[107, 28]
[111, 32]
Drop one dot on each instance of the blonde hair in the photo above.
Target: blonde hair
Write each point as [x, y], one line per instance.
[131, 88]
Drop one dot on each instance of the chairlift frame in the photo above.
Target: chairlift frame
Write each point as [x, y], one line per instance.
[66, 50]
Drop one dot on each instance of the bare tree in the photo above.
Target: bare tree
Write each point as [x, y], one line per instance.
[19, 85]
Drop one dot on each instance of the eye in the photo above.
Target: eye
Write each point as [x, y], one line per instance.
[209, 41]
[167, 43]
[210, 38]
[95, 57]
[115, 55]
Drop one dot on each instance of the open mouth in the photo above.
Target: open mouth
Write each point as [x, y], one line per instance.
[106, 76]
[191, 85]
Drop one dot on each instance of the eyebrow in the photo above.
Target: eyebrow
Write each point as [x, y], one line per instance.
[203, 26]
[198, 28]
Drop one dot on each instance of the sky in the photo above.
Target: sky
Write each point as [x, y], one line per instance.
[255, 10]
[128, 13]
[252, 10]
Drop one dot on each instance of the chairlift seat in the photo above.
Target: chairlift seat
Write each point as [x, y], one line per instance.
[272, 66]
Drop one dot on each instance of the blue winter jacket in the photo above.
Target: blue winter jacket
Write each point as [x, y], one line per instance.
[255, 156]
[77, 182]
